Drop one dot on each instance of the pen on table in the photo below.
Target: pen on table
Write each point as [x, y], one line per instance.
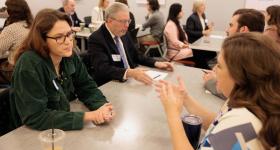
[204, 71]
[156, 76]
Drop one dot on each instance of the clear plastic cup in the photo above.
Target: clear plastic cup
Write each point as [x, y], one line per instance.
[52, 139]
[82, 26]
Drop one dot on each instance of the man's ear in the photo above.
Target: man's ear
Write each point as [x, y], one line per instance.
[244, 29]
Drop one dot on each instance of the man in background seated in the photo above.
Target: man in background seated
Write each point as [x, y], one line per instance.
[113, 54]
[69, 9]
[242, 21]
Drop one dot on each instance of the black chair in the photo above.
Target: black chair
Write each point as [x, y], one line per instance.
[5, 111]
[133, 34]
[87, 20]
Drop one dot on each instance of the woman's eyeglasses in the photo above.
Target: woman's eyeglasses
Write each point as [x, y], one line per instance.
[61, 39]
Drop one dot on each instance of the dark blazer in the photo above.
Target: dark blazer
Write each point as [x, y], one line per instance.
[132, 23]
[101, 48]
[76, 21]
[194, 27]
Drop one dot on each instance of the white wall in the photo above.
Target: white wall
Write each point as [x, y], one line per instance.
[218, 11]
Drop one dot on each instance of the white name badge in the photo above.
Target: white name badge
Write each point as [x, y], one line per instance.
[116, 57]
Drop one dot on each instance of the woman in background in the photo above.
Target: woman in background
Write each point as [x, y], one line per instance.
[272, 18]
[98, 12]
[253, 105]
[15, 31]
[176, 38]
[196, 27]
[154, 21]
[48, 75]
[197, 24]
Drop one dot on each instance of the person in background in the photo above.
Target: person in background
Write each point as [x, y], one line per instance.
[197, 25]
[15, 31]
[114, 56]
[272, 17]
[246, 20]
[69, 8]
[252, 108]
[177, 40]
[48, 75]
[132, 23]
[98, 13]
[3, 12]
[154, 21]
[242, 21]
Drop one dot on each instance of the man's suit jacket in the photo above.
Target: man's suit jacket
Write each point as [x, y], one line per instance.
[101, 49]
[75, 20]
[194, 27]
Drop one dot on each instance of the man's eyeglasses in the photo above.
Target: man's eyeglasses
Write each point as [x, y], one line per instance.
[61, 39]
[122, 21]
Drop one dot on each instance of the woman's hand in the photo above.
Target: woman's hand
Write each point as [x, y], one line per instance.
[103, 114]
[172, 96]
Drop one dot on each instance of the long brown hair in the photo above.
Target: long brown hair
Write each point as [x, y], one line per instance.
[253, 62]
[18, 10]
[42, 24]
[174, 11]
[274, 12]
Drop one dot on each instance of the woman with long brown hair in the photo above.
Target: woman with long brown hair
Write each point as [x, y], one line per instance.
[48, 75]
[252, 85]
[15, 31]
[272, 18]
[176, 38]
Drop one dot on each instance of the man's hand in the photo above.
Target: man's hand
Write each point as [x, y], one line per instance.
[209, 75]
[139, 75]
[164, 65]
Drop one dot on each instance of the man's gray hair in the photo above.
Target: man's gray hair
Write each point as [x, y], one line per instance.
[65, 2]
[115, 8]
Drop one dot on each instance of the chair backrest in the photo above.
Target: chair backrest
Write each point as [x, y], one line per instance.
[133, 34]
[87, 20]
[164, 47]
[5, 111]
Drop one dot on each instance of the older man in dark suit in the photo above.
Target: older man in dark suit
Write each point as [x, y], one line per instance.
[114, 56]
[69, 8]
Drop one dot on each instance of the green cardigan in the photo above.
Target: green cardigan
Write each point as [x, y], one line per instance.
[40, 100]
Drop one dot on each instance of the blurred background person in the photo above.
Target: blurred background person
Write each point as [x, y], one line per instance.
[176, 38]
[154, 21]
[69, 7]
[15, 31]
[98, 13]
[132, 23]
[243, 20]
[252, 108]
[197, 25]
[272, 18]
[3, 12]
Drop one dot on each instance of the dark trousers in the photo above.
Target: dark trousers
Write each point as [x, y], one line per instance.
[201, 58]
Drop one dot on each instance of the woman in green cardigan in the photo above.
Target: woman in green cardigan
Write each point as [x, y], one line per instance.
[48, 75]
